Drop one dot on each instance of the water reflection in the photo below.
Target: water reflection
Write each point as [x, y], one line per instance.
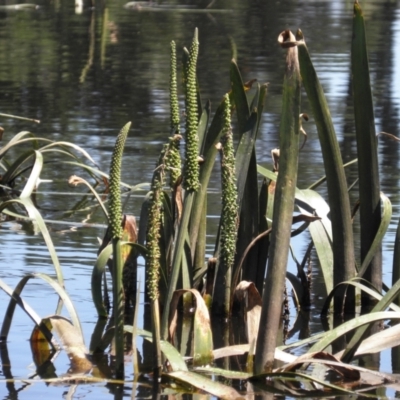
[85, 75]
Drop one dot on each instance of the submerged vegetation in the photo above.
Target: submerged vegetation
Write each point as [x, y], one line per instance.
[190, 296]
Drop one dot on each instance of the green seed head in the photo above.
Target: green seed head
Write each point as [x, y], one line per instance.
[173, 93]
[115, 215]
[230, 208]
[191, 168]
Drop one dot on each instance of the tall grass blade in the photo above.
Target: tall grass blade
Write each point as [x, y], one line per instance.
[342, 230]
[283, 212]
[246, 167]
[367, 151]
[209, 152]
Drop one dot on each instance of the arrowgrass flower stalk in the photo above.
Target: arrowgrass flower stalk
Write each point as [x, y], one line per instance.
[173, 93]
[169, 160]
[115, 218]
[191, 173]
[153, 259]
[191, 167]
[230, 209]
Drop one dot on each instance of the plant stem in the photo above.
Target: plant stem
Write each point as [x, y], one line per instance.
[283, 214]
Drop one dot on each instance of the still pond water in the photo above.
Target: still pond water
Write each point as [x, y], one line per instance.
[85, 73]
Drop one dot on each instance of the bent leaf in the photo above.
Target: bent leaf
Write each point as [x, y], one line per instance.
[72, 341]
[202, 335]
[248, 294]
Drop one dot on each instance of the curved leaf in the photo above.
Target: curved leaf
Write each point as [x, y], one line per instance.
[69, 305]
[72, 145]
[361, 321]
[35, 215]
[11, 171]
[34, 176]
[354, 282]
[321, 232]
[97, 276]
[17, 300]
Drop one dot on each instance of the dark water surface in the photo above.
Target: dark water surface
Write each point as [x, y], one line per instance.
[84, 75]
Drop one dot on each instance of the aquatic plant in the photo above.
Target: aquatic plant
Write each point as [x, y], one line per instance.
[253, 242]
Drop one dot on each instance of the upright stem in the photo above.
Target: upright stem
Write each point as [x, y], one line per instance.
[118, 309]
[115, 218]
[283, 212]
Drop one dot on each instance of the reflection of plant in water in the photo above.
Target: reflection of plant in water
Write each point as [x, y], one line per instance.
[254, 232]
